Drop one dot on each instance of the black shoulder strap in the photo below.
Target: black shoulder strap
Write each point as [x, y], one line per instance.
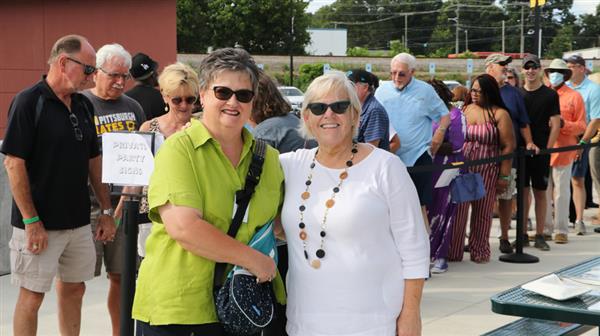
[242, 197]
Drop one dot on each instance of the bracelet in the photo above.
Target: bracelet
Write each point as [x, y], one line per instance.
[31, 220]
[583, 142]
[443, 129]
[504, 177]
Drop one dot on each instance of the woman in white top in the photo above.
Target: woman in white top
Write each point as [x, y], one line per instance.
[358, 250]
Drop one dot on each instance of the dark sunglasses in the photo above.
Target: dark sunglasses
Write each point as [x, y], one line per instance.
[224, 93]
[338, 107]
[116, 75]
[189, 100]
[75, 123]
[527, 67]
[87, 69]
[398, 74]
[510, 77]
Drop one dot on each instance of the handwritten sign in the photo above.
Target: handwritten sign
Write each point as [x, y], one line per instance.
[127, 158]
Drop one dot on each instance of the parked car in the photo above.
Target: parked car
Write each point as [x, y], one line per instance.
[294, 96]
[451, 84]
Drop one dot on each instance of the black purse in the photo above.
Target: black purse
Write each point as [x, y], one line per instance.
[244, 307]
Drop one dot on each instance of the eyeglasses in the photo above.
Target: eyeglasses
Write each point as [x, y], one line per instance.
[476, 91]
[75, 123]
[527, 67]
[225, 93]
[87, 69]
[510, 77]
[395, 74]
[116, 75]
[339, 107]
[189, 100]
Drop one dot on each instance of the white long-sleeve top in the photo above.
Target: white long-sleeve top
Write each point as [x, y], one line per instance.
[375, 239]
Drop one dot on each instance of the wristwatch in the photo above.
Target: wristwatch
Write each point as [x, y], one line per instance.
[109, 212]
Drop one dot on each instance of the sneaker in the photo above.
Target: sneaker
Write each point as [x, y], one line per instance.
[547, 237]
[505, 246]
[561, 238]
[540, 243]
[525, 241]
[580, 228]
[439, 266]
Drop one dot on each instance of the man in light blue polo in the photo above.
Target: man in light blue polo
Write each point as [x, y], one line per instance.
[590, 92]
[412, 105]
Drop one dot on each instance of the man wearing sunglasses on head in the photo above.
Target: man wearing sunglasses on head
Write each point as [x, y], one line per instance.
[114, 111]
[51, 151]
[412, 105]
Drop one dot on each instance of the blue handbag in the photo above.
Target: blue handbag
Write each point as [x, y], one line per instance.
[467, 187]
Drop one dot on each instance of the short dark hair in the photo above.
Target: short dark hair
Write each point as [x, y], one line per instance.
[69, 44]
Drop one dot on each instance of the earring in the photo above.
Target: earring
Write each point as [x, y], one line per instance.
[167, 107]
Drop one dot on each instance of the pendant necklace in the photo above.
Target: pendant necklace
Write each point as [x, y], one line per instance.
[320, 253]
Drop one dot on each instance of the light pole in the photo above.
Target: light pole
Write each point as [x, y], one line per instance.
[456, 21]
[466, 40]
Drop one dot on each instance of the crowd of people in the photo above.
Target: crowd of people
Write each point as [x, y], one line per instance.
[359, 233]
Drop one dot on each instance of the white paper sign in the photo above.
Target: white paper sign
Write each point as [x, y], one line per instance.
[432, 68]
[127, 158]
[447, 176]
[469, 66]
[368, 67]
[326, 68]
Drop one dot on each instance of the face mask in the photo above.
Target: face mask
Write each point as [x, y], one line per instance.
[556, 78]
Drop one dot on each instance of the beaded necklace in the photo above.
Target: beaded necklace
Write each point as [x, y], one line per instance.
[320, 253]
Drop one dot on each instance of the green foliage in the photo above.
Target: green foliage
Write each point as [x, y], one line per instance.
[441, 52]
[467, 54]
[561, 42]
[357, 52]
[261, 27]
[397, 47]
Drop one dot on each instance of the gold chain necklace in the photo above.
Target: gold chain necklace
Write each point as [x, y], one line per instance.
[320, 253]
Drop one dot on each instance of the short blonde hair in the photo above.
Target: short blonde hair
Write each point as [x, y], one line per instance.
[178, 75]
[333, 82]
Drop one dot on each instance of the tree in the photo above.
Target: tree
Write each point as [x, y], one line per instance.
[560, 43]
[587, 31]
[261, 27]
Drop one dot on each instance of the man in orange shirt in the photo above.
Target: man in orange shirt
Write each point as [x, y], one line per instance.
[572, 124]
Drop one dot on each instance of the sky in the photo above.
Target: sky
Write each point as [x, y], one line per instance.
[579, 6]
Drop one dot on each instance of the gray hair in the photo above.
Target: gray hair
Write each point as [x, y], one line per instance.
[407, 59]
[69, 44]
[333, 82]
[113, 51]
[227, 59]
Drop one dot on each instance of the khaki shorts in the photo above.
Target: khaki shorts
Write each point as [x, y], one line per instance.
[69, 257]
[112, 252]
[512, 186]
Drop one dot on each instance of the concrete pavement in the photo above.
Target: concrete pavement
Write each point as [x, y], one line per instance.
[454, 303]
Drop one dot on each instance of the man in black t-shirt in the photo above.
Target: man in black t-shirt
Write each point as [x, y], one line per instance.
[51, 151]
[145, 72]
[543, 108]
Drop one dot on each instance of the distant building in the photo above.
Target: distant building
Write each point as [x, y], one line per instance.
[323, 41]
[589, 53]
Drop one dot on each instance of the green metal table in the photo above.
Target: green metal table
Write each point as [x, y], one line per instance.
[521, 302]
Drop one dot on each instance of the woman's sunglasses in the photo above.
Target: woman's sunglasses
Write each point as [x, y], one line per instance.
[189, 100]
[338, 107]
[225, 93]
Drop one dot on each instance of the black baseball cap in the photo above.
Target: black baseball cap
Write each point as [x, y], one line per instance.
[359, 76]
[142, 66]
[575, 59]
[531, 58]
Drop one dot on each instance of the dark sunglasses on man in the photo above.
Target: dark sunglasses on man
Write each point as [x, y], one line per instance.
[338, 107]
[87, 69]
[225, 93]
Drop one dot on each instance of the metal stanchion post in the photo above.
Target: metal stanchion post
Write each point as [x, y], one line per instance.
[518, 256]
[130, 229]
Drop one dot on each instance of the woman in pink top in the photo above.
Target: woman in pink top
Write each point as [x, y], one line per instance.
[572, 124]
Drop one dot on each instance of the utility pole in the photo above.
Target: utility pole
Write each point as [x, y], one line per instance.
[537, 45]
[466, 40]
[521, 50]
[457, 18]
[292, 48]
[503, 36]
[406, 31]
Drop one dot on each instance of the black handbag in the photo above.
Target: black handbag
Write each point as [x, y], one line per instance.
[244, 307]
